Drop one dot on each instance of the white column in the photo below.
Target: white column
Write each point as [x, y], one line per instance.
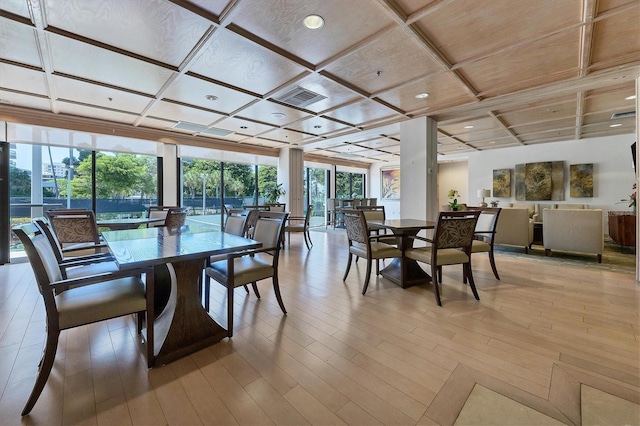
[418, 169]
[290, 170]
[170, 175]
[36, 179]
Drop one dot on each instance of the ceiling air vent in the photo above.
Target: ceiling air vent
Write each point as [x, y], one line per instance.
[189, 127]
[300, 97]
[216, 132]
[198, 128]
[620, 115]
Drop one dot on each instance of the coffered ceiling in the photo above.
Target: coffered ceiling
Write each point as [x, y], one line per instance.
[245, 73]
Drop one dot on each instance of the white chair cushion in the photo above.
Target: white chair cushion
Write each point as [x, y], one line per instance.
[96, 302]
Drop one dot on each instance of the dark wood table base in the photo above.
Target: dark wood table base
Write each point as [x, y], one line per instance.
[196, 329]
[405, 273]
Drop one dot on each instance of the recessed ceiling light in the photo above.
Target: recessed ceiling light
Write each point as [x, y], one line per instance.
[211, 97]
[243, 127]
[422, 95]
[468, 127]
[277, 115]
[317, 126]
[615, 125]
[313, 22]
[630, 98]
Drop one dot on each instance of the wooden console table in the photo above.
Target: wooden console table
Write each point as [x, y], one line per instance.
[622, 228]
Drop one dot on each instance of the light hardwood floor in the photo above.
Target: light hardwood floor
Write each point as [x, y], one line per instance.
[538, 336]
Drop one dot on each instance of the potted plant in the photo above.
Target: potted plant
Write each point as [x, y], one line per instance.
[273, 192]
[453, 199]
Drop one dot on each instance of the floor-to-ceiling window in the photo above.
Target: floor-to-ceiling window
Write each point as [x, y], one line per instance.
[267, 178]
[350, 185]
[315, 193]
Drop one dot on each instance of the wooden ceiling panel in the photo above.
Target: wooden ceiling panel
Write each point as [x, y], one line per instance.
[317, 126]
[171, 111]
[168, 35]
[361, 112]
[335, 93]
[614, 101]
[284, 135]
[479, 125]
[264, 111]
[414, 6]
[25, 101]
[482, 136]
[443, 89]
[617, 38]
[379, 143]
[552, 59]
[16, 7]
[565, 123]
[609, 5]
[398, 59]
[87, 111]
[105, 67]
[462, 31]
[216, 7]
[23, 79]
[549, 135]
[191, 90]
[280, 23]
[18, 43]
[105, 97]
[547, 112]
[242, 126]
[241, 63]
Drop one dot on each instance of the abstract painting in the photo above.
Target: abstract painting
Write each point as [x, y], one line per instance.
[540, 181]
[581, 180]
[390, 184]
[502, 183]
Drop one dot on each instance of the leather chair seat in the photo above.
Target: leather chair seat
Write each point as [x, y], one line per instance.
[246, 270]
[451, 256]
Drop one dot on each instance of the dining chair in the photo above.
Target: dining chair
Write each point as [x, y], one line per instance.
[331, 212]
[176, 216]
[76, 266]
[76, 230]
[450, 245]
[160, 213]
[235, 224]
[299, 224]
[363, 244]
[484, 235]
[377, 214]
[251, 266]
[278, 207]
[85, 300]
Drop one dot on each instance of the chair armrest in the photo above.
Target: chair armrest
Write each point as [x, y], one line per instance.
[98, 278]
[417, 237]
[86, 260]
[83, 248]
[296, 218]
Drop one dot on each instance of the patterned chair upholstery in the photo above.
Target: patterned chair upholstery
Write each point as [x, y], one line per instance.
[76, 229]
[451, 245]
[362, 244]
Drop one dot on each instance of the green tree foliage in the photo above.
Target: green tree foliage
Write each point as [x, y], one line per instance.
[238, 179]
[117, 176]
[267, 176]
[19, 182]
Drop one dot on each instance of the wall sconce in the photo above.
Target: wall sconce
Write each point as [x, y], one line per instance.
[483, 193]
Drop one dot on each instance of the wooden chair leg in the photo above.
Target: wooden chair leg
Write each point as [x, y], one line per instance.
[348, 267]
[472, 284]
[367, 277]
[48, 357]
[230, 311]
[440, 274]
[492, 260]
[434, 281]
[255, 289]
[276, 289]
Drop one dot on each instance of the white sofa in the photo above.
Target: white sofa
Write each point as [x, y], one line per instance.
[576, 230]
[514, 228]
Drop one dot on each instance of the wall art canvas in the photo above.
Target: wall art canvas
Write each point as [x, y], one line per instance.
[390, 184]
[581, 180]
[537, 181]
[521, 190]
[540, 181]
[502, 183]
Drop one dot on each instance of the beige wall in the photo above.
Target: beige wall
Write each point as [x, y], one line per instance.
[454, 175]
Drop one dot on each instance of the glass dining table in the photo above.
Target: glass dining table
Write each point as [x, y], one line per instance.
[174, 259]
[403, 271]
